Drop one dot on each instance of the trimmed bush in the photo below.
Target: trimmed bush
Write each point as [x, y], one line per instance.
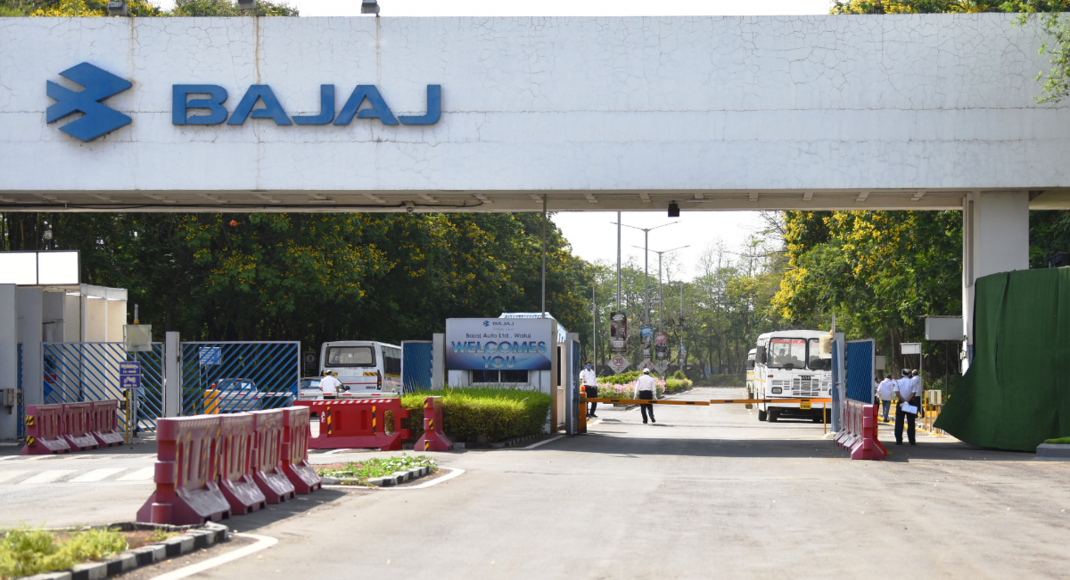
[481, 415]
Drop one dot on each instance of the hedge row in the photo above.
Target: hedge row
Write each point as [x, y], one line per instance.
[474, 415]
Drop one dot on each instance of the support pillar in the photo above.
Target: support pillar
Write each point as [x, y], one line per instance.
[32, 325]
[995, 238]
[9, 371]
[172, 375]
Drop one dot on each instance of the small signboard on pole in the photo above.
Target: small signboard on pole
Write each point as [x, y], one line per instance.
[661, 366]
[209, 355]
[309, 360]
[661, 346]
[130, 375]
[910, 347]
[618, 331]
[618, 363]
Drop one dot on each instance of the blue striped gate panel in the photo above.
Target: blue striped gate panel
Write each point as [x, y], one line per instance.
[239, 376]
[858, 359]
[416, 359]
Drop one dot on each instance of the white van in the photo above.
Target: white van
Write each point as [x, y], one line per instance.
[367, 368]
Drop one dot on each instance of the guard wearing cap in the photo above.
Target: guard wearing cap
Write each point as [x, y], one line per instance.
[904, 390]
[330, 385]
[646, 388]
[590, 387]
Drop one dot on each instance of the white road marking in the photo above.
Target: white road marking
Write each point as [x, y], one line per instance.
[6, 457]
[6, 475]
[97, 474]
[139, 475]
[47, 476]
[262, 542]
[550, 440]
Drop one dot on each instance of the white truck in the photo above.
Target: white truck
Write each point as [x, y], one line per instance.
[791, 364]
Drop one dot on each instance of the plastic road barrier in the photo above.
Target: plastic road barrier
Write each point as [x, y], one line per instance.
[859, 434]
[79, 425]
[433, 439]
[236, 464]
[186, 489]
[295, 433]
[355, 424]
[104, 423]
[44, 430]
[267, 456]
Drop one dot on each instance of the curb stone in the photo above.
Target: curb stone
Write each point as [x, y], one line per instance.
[193, 539]
[1053, 452]
[385, 481]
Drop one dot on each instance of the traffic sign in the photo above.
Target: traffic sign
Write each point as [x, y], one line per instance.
[309, 359]
[210, 355]
[645, 365]
[130, 375]
[661, 366]
[618, 363]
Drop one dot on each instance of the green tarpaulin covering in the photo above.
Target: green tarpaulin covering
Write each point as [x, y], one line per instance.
[1016, 393]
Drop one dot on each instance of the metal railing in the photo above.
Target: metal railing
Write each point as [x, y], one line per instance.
[232, 376]
[75, 372]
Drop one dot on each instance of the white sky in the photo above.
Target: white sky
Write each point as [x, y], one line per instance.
[592, 235]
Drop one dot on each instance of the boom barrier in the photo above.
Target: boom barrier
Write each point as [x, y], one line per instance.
[702, 403]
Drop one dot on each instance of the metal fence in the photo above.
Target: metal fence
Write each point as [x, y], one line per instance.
[232, 377]
[75, 372]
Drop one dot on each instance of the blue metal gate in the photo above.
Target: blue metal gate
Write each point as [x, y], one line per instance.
[75, 372]
[859, 359]
[416, 365]
[232, 377]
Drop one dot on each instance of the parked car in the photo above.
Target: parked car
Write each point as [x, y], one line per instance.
[232, 396]
[310, 389]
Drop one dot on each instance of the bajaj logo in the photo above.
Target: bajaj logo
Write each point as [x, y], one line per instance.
[99, 119]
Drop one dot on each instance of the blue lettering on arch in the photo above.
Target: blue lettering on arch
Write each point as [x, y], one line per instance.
[378, 109]
[181, 104]
[272, 109]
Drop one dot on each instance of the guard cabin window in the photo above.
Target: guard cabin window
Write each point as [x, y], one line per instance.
[509, 376]
[350, 356]
[787, 353]
[816, 360]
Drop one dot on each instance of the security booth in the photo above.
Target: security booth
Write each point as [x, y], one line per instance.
[516, 350]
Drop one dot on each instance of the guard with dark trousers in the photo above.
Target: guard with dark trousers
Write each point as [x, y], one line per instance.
[590, 388]
[646, 388]
[904, 390]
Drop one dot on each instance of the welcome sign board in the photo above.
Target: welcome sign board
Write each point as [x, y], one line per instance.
[499, 343]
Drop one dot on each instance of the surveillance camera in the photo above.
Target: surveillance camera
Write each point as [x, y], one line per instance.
[410, 207]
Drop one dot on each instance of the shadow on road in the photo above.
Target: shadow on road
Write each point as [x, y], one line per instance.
[285, 510]
[779, 448]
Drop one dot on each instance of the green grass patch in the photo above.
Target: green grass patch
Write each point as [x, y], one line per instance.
[482, 415]
[26, 551]
[362, 471]
[1059, 441]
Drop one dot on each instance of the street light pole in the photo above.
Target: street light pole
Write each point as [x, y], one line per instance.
[660, 301]
[646, 264]
[618, 261]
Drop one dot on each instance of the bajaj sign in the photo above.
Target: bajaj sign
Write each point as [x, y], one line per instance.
[204, 105]
[499, 343]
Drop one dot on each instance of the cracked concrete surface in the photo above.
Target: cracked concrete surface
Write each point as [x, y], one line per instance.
[668, 103]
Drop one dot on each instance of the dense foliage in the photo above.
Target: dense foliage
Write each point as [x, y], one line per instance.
[141, 8]
[316, 277]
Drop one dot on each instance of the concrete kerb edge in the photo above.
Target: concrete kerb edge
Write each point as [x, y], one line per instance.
[391, 480]
[193, 539]
[1053, 452]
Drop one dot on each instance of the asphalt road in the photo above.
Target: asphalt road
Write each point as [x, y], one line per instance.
[706, 492]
